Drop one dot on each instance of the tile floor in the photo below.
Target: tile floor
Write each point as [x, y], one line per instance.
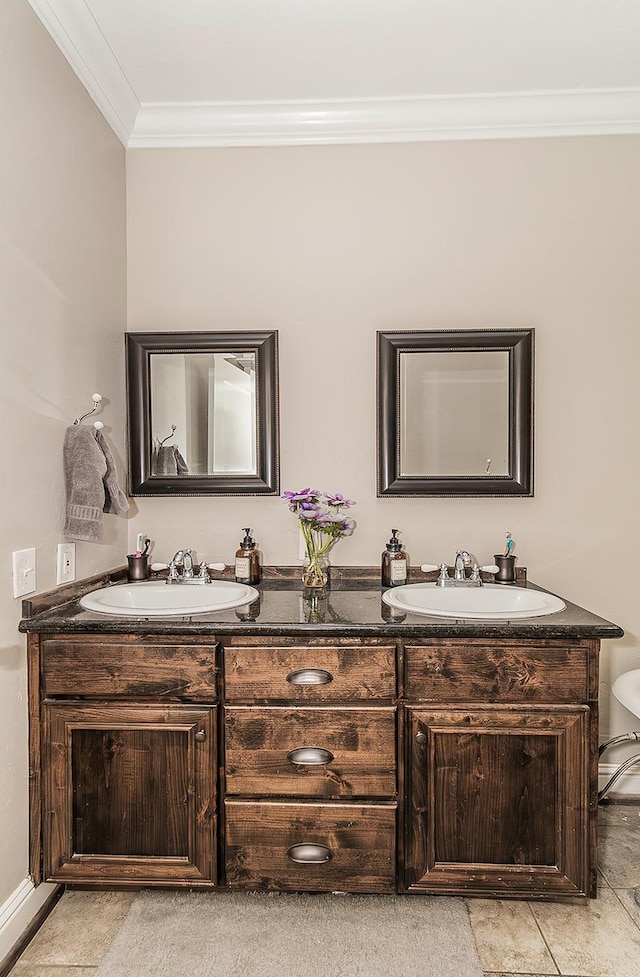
[600, 938]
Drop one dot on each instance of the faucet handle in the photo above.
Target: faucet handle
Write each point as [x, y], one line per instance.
[444, 577]
[203, 572]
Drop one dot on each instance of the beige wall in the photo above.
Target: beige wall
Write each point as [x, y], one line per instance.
[330, 244]
[62, 316]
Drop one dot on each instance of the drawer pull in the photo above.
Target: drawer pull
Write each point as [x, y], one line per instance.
[307, 756]
[310, 676]
[201, 736]
[309, 854]
[421, 737]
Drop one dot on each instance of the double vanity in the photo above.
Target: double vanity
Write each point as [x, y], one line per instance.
[334, 744]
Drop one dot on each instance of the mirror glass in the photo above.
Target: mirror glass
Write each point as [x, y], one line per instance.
[455, 413]
[203, 413]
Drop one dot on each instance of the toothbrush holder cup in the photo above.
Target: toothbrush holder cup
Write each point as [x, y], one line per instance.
[506, 569]
[138, 568]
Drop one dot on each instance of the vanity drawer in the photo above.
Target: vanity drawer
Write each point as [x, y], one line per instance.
[459, 671]
[108, 666]
[310, 673]
[311, 847]
[327, 752]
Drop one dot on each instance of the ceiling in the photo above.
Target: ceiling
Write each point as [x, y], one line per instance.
[252, 72]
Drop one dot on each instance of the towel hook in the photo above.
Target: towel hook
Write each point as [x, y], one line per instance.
[169, 436]
[96, 398]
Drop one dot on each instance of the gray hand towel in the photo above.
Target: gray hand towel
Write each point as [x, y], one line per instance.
[90, 482]
[115, 499]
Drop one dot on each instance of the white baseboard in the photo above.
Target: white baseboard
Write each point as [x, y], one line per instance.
[629, 782]
[18, 911]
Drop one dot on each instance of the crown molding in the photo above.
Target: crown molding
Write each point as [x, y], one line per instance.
[83, 44]
[510, 116]
[515, 115]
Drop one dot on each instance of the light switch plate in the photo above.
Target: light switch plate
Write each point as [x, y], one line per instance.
[24, 572]
[66, 563]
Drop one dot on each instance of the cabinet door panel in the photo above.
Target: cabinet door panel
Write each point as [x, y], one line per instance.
[129, 793]
[498, 801]
[117, 774]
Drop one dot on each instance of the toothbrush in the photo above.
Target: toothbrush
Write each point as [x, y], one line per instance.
[139, 544]
[508, 548]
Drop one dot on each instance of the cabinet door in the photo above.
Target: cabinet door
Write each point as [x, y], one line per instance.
[498, 801]
[129, 793]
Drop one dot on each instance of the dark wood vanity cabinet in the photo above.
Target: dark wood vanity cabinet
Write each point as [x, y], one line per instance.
[128, 773]
[439, 765]
[501, 751]
[310, 765]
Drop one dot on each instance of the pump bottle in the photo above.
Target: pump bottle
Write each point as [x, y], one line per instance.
[248, 560]
[395, 563]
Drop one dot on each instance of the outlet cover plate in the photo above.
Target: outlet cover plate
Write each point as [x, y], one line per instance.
[24, 572]
[65, 563]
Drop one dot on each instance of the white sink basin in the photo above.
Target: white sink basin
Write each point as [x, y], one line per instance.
[489, 602]
[156, 598]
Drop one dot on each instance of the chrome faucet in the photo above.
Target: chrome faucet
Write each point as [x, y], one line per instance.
[463, 560]
[176, 561]
[184, 559]
[187, 566]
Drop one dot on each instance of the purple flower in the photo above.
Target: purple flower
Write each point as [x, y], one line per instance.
[321, 515]
[310, 512]
[338, 499]
[304, 495]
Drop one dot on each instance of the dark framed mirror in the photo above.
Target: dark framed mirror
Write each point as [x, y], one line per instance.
[455, 413]
[203, 413]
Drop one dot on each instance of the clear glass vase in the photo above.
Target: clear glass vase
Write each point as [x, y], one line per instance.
[316, 574]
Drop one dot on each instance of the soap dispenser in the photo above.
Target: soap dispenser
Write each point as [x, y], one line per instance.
[395, 563]
[248, 560]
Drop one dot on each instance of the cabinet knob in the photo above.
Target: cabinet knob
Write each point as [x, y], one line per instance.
[309, 854]
[421, 737]
[201, 736]
[309, 676]
[306, 756]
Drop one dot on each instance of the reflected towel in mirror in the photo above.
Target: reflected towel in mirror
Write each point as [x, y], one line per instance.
[167, 460]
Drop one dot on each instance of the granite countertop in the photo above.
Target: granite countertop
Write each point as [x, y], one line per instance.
[353, 608]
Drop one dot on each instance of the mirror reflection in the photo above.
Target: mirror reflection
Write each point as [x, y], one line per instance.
[454, 413]
[203, 414]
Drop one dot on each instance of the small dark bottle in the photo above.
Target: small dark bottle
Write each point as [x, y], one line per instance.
[395, 563]
[248, 561]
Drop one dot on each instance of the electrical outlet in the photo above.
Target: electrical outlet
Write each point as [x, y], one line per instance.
[66, 562]
[24, 572]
